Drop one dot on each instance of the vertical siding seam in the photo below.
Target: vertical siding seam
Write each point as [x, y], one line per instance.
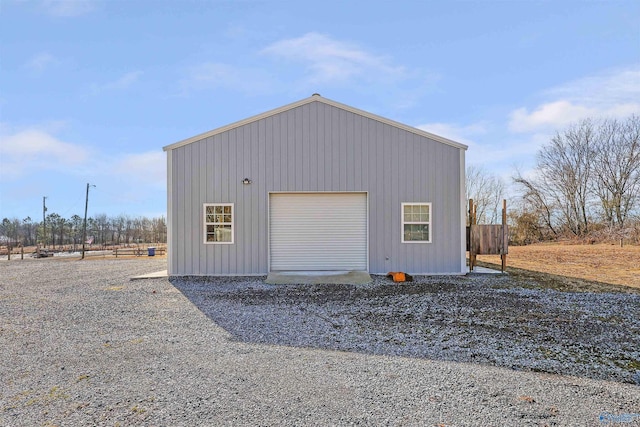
[170, 250]
[316, 147]
[463, 204]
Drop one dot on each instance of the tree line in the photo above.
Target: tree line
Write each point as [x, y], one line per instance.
[586, 182]
[585, 185]
[57, 232]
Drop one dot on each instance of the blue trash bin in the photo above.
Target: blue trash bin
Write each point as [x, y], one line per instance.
[152, 251]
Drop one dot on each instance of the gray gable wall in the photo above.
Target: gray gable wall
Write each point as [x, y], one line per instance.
[315, 147]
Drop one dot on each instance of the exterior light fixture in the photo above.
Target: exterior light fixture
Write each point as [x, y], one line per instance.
[246, 181]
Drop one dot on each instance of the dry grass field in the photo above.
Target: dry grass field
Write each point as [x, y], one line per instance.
[603, 263]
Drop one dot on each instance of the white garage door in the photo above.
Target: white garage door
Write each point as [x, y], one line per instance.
[318, 231]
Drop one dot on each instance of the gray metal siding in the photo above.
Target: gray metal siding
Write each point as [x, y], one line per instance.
[314, 147]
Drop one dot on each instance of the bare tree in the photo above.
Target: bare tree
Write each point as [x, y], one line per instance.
[9, 231]
[563, 184]
[527, 225]
[537, 202]
[129, 229]
[69, 231]
[28, 231]
[617, 169]
[160, 229]
[118, 226]
[76, 230]
[102, 224]
[53, 221]
[487, 191]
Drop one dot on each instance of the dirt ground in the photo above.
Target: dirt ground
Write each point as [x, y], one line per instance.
[602, 263]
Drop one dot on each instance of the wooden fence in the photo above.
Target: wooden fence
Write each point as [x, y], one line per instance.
[137, 251]
[487, 239]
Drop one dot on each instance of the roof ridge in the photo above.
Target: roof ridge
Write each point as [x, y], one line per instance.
[313, 98]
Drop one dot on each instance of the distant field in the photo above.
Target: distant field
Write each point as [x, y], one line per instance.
[602, 263]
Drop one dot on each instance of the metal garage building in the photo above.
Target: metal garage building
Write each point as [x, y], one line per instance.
[316, 185]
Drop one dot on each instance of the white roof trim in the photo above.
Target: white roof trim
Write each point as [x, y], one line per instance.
[314, 98]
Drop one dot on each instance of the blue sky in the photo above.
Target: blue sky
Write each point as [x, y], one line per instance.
[90, 91]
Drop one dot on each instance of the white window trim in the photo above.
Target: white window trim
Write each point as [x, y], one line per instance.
[403, 222]
[205, 223]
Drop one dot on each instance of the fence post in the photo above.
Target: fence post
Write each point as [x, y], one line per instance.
[505, 236]
[472, 219]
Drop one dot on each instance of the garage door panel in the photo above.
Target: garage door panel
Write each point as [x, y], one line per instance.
[318, 231]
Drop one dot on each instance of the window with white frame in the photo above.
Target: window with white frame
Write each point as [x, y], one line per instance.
[416, 223]
[218, 223]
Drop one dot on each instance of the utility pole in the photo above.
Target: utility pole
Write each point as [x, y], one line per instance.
[44, 222]
[84, 228]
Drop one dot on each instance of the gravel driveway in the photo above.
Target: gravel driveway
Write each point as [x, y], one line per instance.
[479, 319]
[80, 344]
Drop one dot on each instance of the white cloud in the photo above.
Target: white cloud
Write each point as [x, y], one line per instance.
[214, 75]
[604, 90]
[612, 94]
[35, 161]
[458, 133]
[328, 60]
[555, 114]
[320, 60]
[68, 8]
[560, 114]
[31, 151]
[123, 82]
[483, 149]
[38, 63]
[150, 166]
[148, 170]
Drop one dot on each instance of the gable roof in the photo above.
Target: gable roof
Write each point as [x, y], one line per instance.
[314, 98]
